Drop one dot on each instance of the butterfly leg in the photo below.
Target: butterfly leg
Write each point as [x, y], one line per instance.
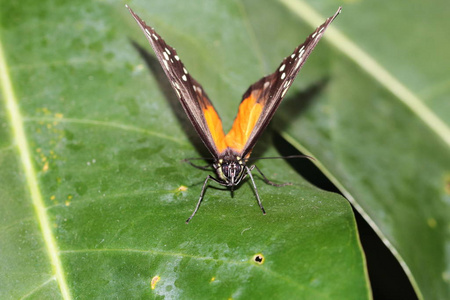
[270, 182]
[202, 193]
[249, 172]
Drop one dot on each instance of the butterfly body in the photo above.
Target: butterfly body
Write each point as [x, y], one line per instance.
[229, 168]
[231, 151]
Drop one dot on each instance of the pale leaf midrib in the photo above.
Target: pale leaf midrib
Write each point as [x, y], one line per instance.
[18, 134]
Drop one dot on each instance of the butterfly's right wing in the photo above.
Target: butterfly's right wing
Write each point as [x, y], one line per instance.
[193, 98]
[262, 99]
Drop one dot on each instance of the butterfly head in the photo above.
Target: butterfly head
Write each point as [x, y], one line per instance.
[230, 169]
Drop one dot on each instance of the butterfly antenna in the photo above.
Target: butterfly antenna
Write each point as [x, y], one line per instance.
[189, 161]
[284, 157]
[197, 158]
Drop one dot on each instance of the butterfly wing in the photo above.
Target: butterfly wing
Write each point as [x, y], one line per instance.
[193, 98]
[262, 99]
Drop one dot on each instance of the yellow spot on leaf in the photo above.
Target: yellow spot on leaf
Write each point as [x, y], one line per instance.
[38, 150]
[45, 167]
[182, 188]
[154, 281]
[59, 115]
[67, 203]
[212, 279]
[53, 197]
[70, 197]
[446, 276]
[432, 222]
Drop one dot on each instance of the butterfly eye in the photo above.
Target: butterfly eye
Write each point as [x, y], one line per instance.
[225, 169]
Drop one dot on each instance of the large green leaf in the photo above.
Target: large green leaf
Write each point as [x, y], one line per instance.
[92, 191]
[380, 127]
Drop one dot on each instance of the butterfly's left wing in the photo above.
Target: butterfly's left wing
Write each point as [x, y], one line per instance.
[193, 98]
[262, 99]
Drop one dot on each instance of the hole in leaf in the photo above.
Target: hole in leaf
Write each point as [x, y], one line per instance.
[258, 258]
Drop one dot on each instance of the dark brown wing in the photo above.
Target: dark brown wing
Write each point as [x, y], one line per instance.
[262, 99]
[193, 98]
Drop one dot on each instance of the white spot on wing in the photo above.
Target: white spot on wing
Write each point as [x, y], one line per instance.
[300, 54]
[282, 68]
[176, 57]
[184, 77]
[299, 61]
[283, 75]
[284, 92]
[314, 34]
[148, 32]
[321, 29]
[167, 50]
[266, 84]
[184, 70]
[155, 36]
[166, 56]
[166, 65]
[293, 55]
[286, 84]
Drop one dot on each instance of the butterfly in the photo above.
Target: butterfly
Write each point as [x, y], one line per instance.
[231, 151]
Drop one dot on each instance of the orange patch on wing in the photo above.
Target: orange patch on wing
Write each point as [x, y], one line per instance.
[248, 115]
[215, 127]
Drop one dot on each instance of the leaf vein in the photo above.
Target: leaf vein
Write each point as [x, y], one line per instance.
[18, 134]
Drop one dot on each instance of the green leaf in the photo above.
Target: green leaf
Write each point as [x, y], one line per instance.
[380, 128]
[93, 193]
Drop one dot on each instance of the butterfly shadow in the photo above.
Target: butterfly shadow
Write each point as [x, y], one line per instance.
[168, 92]
[295, 105]
[292, 108]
